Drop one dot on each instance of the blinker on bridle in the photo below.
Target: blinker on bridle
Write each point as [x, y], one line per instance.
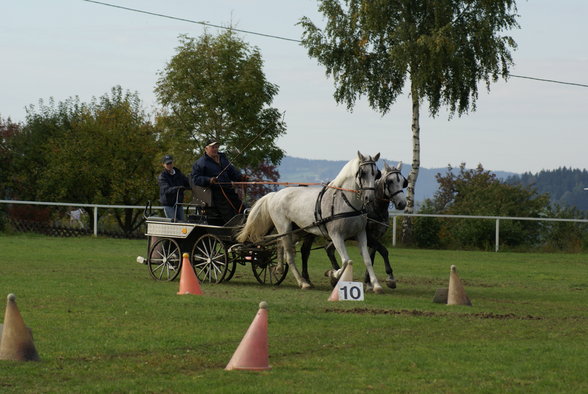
[364, 163]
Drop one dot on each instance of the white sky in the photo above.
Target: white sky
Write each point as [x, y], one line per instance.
[64, 48]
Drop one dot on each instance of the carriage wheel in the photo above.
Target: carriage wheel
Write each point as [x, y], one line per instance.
[232, 266]
[270, 271]
[164, 259]
[209, 257]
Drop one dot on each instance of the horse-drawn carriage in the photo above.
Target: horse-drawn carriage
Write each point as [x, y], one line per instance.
[214, 252]
[337, 212]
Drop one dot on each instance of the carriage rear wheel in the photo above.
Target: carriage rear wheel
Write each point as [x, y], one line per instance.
[164, 259]
[209, 257]
[268, 270]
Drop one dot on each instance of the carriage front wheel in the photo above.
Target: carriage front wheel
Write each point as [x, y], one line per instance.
[267, 269]
[209, 257]
[164, 259]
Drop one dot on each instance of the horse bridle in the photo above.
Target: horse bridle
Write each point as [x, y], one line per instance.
[358, 177]
[401, 190]
[318, 215]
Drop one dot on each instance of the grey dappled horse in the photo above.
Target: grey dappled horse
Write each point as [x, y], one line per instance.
[335, 212]
[389, 189]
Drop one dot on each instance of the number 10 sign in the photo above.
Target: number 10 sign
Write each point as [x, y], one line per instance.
[350, 291]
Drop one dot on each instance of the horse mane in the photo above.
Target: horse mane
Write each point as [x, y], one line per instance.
[349, 168]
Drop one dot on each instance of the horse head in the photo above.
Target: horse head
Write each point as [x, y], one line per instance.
[365, 176]
[394, 184]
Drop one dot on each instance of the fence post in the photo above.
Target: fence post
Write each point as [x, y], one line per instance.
[497, 234]
[394, 230]
[95, 221]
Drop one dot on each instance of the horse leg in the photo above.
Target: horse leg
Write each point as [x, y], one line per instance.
[390, 280]
[374, 246]
[305, 253]
[366, 275]
[330, 249]
[363, 247]
[288, 246]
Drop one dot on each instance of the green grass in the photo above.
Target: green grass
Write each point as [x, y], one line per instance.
[101, 324]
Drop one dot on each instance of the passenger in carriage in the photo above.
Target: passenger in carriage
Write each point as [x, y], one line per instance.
[171, 189]
[214, 170]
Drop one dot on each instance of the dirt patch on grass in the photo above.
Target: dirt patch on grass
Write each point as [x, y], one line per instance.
[417, 313]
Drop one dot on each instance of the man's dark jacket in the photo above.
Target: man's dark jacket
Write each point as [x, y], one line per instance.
[206, 168]
[169, 185]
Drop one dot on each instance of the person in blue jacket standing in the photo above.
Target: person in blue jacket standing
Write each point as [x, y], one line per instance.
[171, 189]
[214, 170]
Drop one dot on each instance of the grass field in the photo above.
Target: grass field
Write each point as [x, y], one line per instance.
[101, 324]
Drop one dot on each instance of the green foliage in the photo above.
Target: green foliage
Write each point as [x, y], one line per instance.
[100, 152]
[8, 130]
[564, 185]
[478, 192]
[444, 47]
[565, 236]
[426, 230]
[214, 87]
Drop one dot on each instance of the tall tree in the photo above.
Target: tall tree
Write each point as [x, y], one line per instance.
[443, 48]
[101, 152]
[8, 131]
[214, 87]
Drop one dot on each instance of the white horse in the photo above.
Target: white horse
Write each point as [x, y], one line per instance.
[335, 212]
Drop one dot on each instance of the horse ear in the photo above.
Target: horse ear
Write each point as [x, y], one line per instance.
[377, 157]
[399, 166]
[360, 156]
[387, 167]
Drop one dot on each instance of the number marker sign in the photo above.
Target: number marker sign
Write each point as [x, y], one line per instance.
[350, 291]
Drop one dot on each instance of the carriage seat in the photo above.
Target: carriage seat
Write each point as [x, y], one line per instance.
[201, 196]
[205, 210]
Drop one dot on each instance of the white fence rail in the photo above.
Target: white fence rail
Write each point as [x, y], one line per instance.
[496, 218]
[95, 207]
[394, 215]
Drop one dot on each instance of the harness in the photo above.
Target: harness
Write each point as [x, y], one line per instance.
[321, 221]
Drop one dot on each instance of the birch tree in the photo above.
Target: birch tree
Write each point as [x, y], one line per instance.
[437, 51]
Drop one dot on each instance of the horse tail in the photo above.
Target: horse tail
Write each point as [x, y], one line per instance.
[259, 221]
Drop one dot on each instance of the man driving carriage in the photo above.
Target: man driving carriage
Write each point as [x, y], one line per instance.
[214, 170]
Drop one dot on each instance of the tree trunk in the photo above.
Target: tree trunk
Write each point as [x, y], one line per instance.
[416, 163]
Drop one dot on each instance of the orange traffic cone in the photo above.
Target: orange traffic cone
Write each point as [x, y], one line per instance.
[189, 283]
[252, 352]
[16, 339]
[456, 294]
[346, 276]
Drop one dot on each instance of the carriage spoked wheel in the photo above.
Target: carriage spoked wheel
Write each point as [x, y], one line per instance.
[209, 258]
[165, 259]
[234, 256]
[267, 269]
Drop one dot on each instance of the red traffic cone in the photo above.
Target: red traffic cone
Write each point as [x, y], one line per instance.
[252, 352]
[16, 339]
[189, 283]
[346, 276]
[456, 293]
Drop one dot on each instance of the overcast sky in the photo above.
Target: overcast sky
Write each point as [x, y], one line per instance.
[65, 48]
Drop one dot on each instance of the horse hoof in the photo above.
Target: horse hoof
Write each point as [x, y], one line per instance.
[391, 283]
[368, 286]
[306, 286]
[329, 273]
[378, 289]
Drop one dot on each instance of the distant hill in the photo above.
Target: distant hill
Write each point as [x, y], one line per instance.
[564, 185]
[293, 169]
